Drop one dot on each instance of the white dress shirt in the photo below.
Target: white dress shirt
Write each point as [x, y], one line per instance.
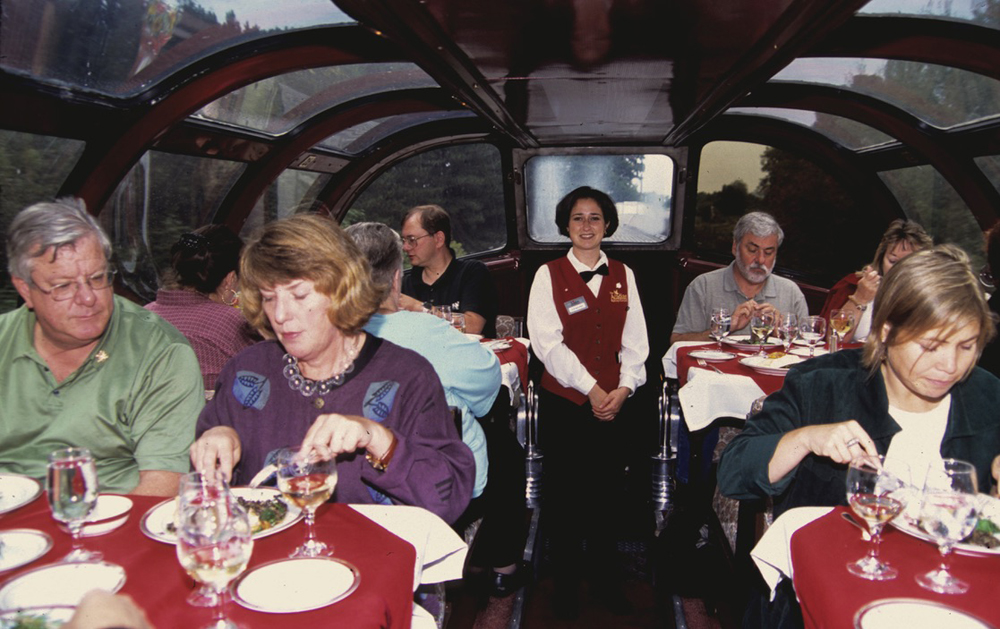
[546, 332]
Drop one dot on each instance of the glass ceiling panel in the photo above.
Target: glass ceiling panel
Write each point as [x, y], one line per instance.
[939, 95]
[120, 48]
[281, 103]
[359, 137]
[845, 131]
[979, 12]
[990, 165]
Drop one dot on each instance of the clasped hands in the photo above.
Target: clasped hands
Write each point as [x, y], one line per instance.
[607, 404]
[747, 310]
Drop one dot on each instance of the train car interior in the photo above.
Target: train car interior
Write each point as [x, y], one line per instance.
[836, 117]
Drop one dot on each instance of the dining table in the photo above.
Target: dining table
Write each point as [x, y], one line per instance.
[830, 597]
[409, 547]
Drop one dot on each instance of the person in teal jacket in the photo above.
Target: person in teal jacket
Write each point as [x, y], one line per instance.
[913, 391]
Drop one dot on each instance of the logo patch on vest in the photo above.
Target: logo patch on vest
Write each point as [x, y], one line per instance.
[251, 389]
[379, 399]
[574, 306]
[619, 298]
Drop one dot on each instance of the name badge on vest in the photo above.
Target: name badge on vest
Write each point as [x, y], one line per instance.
[574, 306]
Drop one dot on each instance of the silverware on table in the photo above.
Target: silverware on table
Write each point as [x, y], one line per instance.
[864, 529]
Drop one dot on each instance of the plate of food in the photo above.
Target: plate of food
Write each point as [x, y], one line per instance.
[772, 364]
[984, 540]
[269, 514]
[712, 355]
[17, 491]
[294, 585]
[744, 342]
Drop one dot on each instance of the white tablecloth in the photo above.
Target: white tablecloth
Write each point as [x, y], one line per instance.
[708, 396]
[773, 553]
[670, 358]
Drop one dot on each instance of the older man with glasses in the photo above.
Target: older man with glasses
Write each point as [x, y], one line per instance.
[439, 279]
[82, 367]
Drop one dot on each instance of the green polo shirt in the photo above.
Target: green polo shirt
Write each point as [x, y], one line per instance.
[134, 401]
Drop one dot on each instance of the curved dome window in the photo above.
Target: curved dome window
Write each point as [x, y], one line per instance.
[852, 134]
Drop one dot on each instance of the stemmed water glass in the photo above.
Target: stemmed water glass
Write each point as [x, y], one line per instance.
[718, 327]
[214, 543]
[948, 512]
[841, 322]
[762, 324]
[877, 493]
[195, 490]
[308, 482]
[72, 487]
[787, 329]
[812, 331]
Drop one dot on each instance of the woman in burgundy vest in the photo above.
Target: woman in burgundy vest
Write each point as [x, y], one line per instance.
[586, 326]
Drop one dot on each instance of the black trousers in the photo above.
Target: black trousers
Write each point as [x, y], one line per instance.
[584, 476]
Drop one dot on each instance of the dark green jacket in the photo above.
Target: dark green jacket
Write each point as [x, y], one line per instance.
[836, 388]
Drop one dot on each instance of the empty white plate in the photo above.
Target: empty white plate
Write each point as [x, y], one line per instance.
[296, 585]
[21, 546]
[17, 491]
[893, 613]
[60, 584]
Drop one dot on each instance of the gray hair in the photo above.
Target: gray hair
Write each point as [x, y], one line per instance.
[384, 249]
[49, 225]
[760, 224]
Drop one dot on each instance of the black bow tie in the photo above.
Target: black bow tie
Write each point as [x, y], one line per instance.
[586, 276]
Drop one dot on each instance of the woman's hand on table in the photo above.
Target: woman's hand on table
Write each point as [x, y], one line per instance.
[333, 434]
[612, 403]
[841, 442]
[100, 609]
[217, 449]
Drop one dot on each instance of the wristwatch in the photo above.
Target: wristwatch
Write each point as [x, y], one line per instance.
[862, 307]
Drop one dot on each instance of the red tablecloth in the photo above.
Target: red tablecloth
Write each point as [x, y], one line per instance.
[769, 384]
[830, 595]
[517, 354]
[155, 580]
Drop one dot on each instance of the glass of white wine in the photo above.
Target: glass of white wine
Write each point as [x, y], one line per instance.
[841, 322]
[194, 490]
[718, 326]
[308, 482]
[949, 512]
[72, 487]
[812, 331]
[214, 544]
[877, 493]
[761, 324]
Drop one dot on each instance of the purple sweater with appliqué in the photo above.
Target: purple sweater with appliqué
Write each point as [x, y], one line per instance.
[431, 467]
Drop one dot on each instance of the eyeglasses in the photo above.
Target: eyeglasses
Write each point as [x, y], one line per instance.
[411, 241]
[62, 292]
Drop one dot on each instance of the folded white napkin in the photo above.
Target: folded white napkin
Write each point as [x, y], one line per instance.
[773, 552]
[708, 396]
[670, 358]
[440, 551]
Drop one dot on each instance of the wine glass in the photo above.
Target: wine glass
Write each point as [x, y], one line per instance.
[948, 512]
[718, 327]
[841, 322]
[308, 482]
[214, 544]
[787, 329]
[72, 486]
[877, 492]
[812, 331]
[761, 324]
[196, 489]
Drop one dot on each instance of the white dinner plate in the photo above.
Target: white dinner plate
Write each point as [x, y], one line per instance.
[110, 513]
[60, 584]
[742, 342]
[52, 615]
[497, 345]
[892, 613]
[804, 351]
[154, 523]
[989, 507]
[22, 546]
[17, 491]
[712, 355]
[770, 366]
[294, 585]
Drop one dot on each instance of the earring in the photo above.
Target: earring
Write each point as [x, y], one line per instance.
[234, 300]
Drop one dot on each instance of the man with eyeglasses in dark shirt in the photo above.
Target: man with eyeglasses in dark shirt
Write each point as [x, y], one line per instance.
[439, 279]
